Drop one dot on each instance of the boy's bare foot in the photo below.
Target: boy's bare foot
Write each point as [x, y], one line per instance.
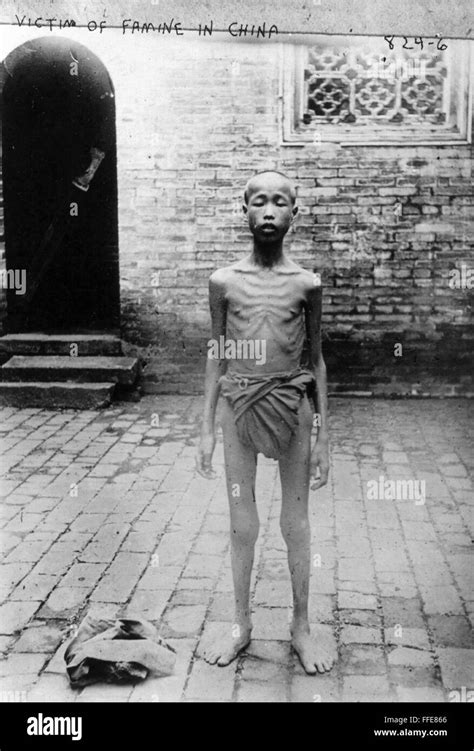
[228, 646]
[315, 656]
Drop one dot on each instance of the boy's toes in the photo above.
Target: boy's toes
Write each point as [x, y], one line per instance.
[314, 657]
[210, 656]
[309, 667]
[223, 661]
[323, 666]
[326, 663]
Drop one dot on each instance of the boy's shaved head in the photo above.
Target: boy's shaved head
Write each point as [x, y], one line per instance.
[279, 177]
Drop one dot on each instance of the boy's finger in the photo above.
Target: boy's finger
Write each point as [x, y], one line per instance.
[204, 466]
[319, 483]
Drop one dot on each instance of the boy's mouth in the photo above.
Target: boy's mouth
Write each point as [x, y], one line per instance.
[268, 228]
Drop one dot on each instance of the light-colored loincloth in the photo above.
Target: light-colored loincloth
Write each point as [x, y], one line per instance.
[266, 407]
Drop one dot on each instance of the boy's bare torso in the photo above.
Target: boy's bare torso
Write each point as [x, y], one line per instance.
[267, 305]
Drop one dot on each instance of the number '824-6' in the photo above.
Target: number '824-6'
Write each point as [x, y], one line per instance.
[417, 41]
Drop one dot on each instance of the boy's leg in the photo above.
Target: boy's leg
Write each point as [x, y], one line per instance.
[294, 474]
[240, 467]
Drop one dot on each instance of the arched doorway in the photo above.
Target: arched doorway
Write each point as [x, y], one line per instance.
[60, 189]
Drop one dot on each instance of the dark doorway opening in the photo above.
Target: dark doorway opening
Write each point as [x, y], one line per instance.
[60, 189]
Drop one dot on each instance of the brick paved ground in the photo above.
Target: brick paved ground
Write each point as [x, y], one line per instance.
[103, 513]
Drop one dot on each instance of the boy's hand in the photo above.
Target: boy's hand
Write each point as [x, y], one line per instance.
[319, 466]
[204, 455]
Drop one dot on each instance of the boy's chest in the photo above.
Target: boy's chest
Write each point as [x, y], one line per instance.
[256, 296]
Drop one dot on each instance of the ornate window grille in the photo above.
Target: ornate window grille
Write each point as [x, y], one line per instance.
[363, 92]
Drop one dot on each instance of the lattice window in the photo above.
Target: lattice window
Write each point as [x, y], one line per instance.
[365, 92]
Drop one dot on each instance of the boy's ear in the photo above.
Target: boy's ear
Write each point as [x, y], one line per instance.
[244, 208]
[294, 212]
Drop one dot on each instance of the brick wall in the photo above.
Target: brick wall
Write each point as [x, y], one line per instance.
[194, 121]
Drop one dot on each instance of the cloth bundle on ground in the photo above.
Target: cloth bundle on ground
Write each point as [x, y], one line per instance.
[266, 407]
[116, 651]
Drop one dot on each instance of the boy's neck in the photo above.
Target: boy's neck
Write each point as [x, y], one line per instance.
[268, 255]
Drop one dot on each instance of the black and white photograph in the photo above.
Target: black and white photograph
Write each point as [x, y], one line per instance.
[236, 357]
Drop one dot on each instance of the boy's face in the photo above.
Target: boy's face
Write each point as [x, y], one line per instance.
[270, 207]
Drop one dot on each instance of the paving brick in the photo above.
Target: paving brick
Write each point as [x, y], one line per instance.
[397, 584]
[273, 593]
[57, 560]
[356, 569]
[21, 664]
[358, 586]
[34, 587]
[270, 623]
[321, 609]
[39, 637]
[353, 547]
[210, 682]
[410, 637]
[451, 631]
[17, 688]
[52, 688]
[104, 545]
[412, 676]
[15, 615]
[410, 656]
[183, 620]
[105, 693]
[148, 604]
[314, 689]
[201, 565]
[368, 618]
[322, 582]
[457, 666]
[360, 635]
[366, 688]
[160, 576]
[441, 600]
[30, 550]
[423, 694]
[405, 611]
[5, 644]
[356, 600]
[64, 602]
[362, 660]
[120, 578]
[222, 607]
[83, 575]
[254, 691]
[12, 573]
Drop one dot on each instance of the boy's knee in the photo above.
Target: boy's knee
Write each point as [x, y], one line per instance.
[245, 531]
[295, 532]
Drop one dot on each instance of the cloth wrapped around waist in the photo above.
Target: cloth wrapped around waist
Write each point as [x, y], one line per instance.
[266, 407]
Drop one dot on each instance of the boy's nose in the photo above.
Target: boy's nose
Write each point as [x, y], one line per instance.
[268, 213]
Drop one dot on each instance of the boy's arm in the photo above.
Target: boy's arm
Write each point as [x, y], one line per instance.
[320, 453]
[214, 369]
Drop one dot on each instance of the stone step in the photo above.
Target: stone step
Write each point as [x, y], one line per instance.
[54, 394]
[60, 344]
[123, 370]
